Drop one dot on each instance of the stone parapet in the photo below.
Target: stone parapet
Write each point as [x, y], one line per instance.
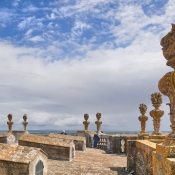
[139, 156]
[3, 137]
[80, 142]
[54, 147]
[89, 135]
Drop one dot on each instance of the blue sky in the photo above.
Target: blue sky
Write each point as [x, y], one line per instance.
[60, 59]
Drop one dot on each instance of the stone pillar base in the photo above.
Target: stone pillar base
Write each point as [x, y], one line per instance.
[142, 136]
[157, 138]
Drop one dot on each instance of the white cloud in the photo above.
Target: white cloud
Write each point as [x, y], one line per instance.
[6, 15]
[52, 16]
[30, 8]
[59, 93]
[36, 39]
[15, 3]
[29, 32]
[79, 27]
[81, 6]
[31, 21]
[57, 90]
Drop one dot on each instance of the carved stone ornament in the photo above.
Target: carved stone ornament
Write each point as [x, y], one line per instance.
[86, 122]
[98, 122]
[9, 123]
[168, 44]
[156, 113]
[143, 118]
[167, 82]
[25, 123]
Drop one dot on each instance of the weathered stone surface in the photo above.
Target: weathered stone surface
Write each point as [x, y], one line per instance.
[10, 138]
[54, 147]
[3, 137]
[90, 162]
[17, 160]
[166, 83]
[17, 134]
[168, 44]
[139, 156]
[80, 142]
[164, 160]
[89, 135]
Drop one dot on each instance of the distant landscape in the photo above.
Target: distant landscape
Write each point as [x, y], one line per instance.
[45, 132]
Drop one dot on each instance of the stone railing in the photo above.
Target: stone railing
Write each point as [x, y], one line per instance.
[104, 142]
[109, 143]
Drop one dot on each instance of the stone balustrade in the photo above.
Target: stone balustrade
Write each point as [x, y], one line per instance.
[110, 143]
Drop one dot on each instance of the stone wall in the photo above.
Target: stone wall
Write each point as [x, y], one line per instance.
[164, 160]
[118, 143]
[13, 168]
[53, 151]
[110, 143]
[3, 139]
[79, 141]
[139, 156]
[54, 147]
[89, 135]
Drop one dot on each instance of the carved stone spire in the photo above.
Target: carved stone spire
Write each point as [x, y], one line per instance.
[10, 122]
[143, 118]
[98, 122]
[167, 82]
[25, 123]
[86, 122]
[156, 113]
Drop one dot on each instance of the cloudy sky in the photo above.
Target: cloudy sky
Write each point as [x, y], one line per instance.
[60, 59]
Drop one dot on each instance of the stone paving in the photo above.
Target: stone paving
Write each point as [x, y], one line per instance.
[90, 162]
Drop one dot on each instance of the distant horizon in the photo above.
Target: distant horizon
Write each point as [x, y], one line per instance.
[81, 130]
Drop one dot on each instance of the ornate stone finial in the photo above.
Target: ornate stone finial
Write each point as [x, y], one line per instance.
[143, 118]
[156, 113]
[25, 123]
[9, 123]
[167, 82]
[98, 122]
[86, 123]
[168, 44]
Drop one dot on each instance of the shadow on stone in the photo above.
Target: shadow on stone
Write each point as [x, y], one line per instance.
[121, 170]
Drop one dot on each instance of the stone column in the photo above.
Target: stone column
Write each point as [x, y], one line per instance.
[163, 157]
[98, 122]
[10, 123]
[86, 123]
[167, 82]
[25, 123]
[143, 118]
[156, 113]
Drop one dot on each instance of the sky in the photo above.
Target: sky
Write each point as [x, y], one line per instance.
[60, 59]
